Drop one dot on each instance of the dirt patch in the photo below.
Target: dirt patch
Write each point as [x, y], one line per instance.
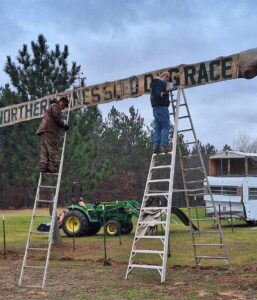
[82, 278]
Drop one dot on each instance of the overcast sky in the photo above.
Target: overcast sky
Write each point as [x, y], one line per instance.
[113, 39]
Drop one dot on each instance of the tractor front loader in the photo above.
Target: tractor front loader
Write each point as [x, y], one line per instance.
[83, 219]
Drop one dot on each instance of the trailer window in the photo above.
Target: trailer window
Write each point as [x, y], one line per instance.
[224, 190]
[252, 192]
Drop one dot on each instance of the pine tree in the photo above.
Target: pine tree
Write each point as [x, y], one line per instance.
[84, 161]
[127, 142]
[42, 72]
[33, 75]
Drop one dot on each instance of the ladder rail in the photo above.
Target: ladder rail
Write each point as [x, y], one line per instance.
[129, 269]
[30, 230]
[172, 172]
[184, 185]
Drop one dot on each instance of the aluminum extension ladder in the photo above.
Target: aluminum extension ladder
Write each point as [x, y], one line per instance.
[208, 241]
[36, 258]
[150, 251]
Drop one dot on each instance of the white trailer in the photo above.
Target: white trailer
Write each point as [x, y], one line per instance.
[233, 182]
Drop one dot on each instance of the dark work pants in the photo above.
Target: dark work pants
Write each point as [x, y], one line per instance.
[49, 152]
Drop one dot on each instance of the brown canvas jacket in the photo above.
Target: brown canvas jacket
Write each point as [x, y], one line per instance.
[52, 120]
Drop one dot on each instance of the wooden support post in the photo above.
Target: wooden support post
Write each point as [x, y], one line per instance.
[246, 166]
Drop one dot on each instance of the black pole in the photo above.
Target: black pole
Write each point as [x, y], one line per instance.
[73, 235]
[219, 213]
[120, 235]
[231, 217]
[220, 225]
[169, 252]
[106, 263]
[4, 238]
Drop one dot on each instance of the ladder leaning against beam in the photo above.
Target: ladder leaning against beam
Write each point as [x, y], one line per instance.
[38, 247]
[208, 240]
[150, 251]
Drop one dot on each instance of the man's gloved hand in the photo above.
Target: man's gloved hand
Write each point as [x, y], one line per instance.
[164, 93]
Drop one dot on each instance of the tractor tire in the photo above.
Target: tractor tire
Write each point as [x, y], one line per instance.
[94, 228]
[127, 228]
[75, 220]
[112, 228]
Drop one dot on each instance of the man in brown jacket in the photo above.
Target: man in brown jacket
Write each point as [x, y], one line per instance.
[48, 132]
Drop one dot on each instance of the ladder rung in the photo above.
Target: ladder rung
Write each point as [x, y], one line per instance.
[31, 286]
[211, 257]
[188, 143]
[195, 190]
[38, 249]
[156, 194]
[162, 167]
[50, 173]
[34, 267]
[197, 194]
[195, 181]
[193, 169]
[152, 223]
[190, 156]
[208, 245]
[45, 201]
[42, 216]
[205, 231]
[183, 117]
[148, 251]
[185, 130]
[47, 186]
[203, 206]
[162, 153]
[145, 266]
[149, 236]
[154, 208]
[159, 180]
[40, 232]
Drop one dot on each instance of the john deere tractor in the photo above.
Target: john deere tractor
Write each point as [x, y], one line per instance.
[83, 219]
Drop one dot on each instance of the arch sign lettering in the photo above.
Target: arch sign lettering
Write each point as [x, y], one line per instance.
[241, 65]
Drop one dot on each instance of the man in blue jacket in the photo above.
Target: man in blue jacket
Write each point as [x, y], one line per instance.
[160, 103]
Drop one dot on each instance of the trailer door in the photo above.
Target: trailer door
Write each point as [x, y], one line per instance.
[251, 204]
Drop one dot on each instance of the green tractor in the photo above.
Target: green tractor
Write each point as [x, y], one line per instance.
[83, 219]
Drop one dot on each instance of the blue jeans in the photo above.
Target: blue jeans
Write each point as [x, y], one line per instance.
[162, 126]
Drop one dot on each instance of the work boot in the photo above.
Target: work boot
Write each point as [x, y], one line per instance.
[156, 149]
[43, 169]
[165, 149]
[52, 171]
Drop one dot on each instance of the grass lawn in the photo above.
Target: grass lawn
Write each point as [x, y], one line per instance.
[80, 273]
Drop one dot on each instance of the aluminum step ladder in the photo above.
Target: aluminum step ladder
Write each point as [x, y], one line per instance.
[208, 240]
[157, 201]
[38, 247]
[150, 248]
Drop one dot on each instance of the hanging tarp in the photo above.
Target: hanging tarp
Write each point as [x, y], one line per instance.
[241, 65]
